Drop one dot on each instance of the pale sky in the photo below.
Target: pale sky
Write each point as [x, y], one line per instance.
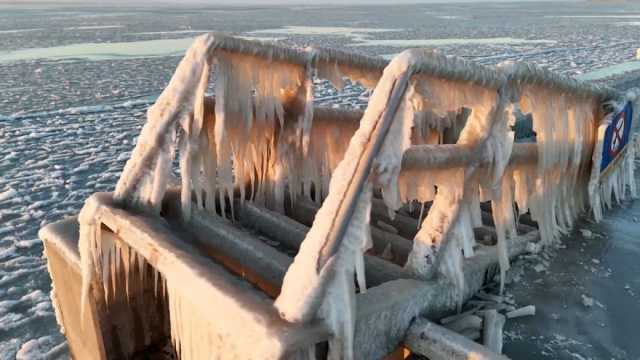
[263, 2]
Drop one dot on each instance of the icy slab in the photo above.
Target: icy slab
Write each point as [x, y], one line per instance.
[18, 31]
[609, 71]
[101, 51]
[620, 16]
[96, 27]
[8, 194]
[452, 41]
[358, 34]
[189, 31]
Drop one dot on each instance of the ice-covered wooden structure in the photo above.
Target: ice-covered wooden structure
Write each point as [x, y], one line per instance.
[293, 227]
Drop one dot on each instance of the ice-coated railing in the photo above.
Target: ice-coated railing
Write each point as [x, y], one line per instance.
[261, 140]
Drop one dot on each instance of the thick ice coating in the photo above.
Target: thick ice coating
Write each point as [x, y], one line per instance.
[259, 138]
[328, 292]
[243, 141]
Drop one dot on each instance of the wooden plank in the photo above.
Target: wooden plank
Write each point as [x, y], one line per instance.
[292, 233]
[439, 343]
[304, 211]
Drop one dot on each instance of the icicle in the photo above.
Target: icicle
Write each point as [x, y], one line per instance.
[502, 208]
[331, 72]
[443, 222]
[304, 287]
[89, 241]
[558, 192]
[142, 181]
[441, 217]
[388, 164]
[614, 183]
[307, 116]
[186, 163]
[465, 230]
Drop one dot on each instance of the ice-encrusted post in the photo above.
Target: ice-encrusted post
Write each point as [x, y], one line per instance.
[486, 132]
[144, 179]
[320, 280]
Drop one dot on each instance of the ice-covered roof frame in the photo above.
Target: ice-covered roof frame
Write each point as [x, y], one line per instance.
[434, 63]
[296, 56]
[143, 183]
[523, 74]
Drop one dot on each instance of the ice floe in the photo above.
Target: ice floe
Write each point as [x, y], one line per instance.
[101, 51]
[452, 41]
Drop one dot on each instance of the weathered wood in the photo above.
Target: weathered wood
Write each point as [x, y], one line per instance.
[258, 262]
[405, 225]
[292, 233]
[528, 310]
[304, 211]
[438, 343]
[239, 251]
[487, 219]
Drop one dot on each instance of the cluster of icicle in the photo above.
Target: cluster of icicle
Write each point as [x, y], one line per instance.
[555, 191]
[245, 140]
[106, 262]
[446, 235]
[330, 289]
[120, 273]
[250, 139]
[617, 182]
[426, 101]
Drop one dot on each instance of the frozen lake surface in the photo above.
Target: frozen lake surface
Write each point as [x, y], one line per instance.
[76, 83]
[101, 51]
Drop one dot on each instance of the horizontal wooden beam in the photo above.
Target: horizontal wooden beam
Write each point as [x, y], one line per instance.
[291, 233]
[304, 211]
[450, 156]
[439, 343]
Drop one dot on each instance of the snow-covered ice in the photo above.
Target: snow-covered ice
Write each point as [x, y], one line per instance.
[67, 125]
[405, 43]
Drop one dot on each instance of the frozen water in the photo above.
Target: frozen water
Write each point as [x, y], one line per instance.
[187, 31]
[101, 51]
[608, 71]
[619, 16]
[453, 41]
[67, 128]
[358, 34]
[2, 32]
[98, 27]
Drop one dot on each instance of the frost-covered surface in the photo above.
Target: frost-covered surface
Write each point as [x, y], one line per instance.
[66, 127]
[584, 290]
